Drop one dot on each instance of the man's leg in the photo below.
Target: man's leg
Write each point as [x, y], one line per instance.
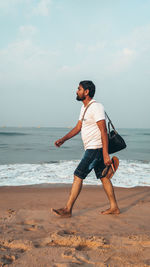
[82, 170]
[109, 190]
[75, 191]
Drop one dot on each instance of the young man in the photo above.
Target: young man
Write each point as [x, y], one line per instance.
[94, 135]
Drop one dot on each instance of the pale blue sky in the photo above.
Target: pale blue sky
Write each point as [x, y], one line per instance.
[48, 46]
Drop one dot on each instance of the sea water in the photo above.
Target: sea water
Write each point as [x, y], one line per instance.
[28, 156]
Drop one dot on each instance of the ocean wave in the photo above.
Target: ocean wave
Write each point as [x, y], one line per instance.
[141, 134]
[130, 173]
[12, 133]
[146, 134]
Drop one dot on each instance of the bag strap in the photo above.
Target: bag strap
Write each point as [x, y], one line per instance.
[109, 120]
[110, 123]
[86, 109]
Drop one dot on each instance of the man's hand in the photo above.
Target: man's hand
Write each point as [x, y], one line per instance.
[69, 135]
[103, 129]
[107, 160]
[59, 142]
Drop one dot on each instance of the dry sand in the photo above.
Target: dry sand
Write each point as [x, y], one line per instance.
[30, 235]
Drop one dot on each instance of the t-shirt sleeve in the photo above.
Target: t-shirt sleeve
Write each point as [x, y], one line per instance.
[98, 112]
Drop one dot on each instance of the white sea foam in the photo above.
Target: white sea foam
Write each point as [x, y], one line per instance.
[129, 174]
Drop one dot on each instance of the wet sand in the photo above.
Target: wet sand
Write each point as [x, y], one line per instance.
[30, 235]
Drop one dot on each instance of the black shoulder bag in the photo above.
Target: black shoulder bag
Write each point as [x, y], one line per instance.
[115, 141]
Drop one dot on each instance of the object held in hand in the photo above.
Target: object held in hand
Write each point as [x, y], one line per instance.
[110, 170]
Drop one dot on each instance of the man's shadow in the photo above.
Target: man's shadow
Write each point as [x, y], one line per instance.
[141, 196]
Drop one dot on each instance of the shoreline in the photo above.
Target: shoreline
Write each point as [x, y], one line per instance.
[59, 185]
[30, 235]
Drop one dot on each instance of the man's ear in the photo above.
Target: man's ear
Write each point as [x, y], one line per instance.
[86, 92]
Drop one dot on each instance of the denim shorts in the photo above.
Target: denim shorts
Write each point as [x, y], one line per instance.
[92, 159]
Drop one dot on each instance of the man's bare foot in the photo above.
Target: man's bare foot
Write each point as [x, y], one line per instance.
[111, 211]
[63, 213]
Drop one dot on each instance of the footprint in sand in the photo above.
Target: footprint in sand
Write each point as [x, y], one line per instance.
[8, 215]
[16, 245]
[72, 239]
[7, 259]
[70, 254]
[11, 211]
[30, 225]
[11, 250]
[76, 257]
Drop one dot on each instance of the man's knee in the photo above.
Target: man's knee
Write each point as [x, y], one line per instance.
[105, 181]
[78, 180]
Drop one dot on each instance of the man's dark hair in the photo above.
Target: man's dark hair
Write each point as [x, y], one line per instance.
[88, 85]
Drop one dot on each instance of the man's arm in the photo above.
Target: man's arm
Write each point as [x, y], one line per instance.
[103, 129]
[69, 135]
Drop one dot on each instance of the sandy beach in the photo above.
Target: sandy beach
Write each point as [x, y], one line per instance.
[30, 235]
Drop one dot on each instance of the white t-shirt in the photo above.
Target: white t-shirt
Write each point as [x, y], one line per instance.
[90, 132]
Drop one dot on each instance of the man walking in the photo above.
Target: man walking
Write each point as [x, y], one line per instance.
[94, 135]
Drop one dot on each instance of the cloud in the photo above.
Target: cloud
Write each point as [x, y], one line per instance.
[121, 60]
[138, 39]
[10, 3]
[27, 31]
[129, 49]
[24, 61]
[23, 47]
[128, 52]
[107, 58]
[98, 46]
[95, 47]
[42, 8]
[113, 57]
[10, 6]
[79, 47]
[30, 7]
[65, 68]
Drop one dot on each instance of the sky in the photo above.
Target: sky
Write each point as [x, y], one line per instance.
[48, 46]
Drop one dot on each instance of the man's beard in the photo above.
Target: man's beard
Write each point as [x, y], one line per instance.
[80, 98]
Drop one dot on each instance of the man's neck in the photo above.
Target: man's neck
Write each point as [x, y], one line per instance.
[86, 101]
